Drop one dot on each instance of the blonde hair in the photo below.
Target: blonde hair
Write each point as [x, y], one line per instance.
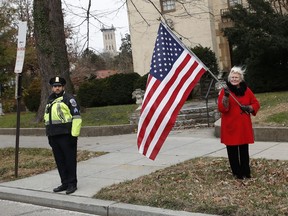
[239, 70]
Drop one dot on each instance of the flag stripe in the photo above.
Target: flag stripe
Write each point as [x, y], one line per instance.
[154, 104]
[164, 107]
[152, 84]
[153, 152]
[148, 93]
[174, 107]
[173, 74]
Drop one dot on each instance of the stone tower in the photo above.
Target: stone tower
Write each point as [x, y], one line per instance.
[109, 39]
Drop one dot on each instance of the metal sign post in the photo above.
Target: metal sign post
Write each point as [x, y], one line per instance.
[22, 29]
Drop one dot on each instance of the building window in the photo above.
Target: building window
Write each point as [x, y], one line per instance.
[167, 6]
[232, 3]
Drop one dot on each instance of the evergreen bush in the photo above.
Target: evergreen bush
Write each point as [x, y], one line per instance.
[114, 90]
[33, 95]
[260, 79]
[141, 82]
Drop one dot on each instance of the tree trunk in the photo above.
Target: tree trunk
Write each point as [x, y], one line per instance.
[50, 46]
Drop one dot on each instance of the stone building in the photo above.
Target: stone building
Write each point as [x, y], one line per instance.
[109, 39]
[195, 22]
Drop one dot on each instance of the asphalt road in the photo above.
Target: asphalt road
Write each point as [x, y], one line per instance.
[10, 208]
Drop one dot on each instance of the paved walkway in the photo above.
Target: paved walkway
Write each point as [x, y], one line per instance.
[122, 163]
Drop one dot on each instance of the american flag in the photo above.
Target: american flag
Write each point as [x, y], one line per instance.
[173, 74]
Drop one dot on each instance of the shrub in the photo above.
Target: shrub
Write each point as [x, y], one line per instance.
[90, 93]
[208, 57]
[261, 78]
[114, 90]
[33, 95]
[120, 88]
[141, 82]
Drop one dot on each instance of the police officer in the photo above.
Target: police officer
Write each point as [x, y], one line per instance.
[63, 123]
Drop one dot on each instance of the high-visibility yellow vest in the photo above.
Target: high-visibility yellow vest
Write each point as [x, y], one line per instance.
[62, 116]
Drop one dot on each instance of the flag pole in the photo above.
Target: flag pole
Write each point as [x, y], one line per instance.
[213, 75]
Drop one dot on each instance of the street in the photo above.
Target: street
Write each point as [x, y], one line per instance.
[10, 208]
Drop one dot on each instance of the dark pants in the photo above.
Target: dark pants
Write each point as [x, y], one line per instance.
[64, 149]
[239, 160]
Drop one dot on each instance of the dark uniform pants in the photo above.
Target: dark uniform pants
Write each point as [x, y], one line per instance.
[64, 149]
[239, 159]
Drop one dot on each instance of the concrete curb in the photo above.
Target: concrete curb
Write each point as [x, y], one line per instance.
[87, 131]
[276, 134]
[272, 134]
[113, 208]
[85, 205]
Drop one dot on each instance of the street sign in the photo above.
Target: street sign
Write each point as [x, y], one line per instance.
[22, 29]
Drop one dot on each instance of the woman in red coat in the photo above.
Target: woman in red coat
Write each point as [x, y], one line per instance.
[236, 102]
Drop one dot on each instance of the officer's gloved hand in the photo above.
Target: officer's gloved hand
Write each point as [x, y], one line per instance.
[226, 92]
[246, 109]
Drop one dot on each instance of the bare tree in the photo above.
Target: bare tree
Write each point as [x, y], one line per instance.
[85, 15]
[50, 46]
[281, 6]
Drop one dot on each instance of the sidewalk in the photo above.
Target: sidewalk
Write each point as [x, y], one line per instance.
[122, 163]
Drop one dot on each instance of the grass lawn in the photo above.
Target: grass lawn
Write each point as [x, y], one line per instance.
[109, 115]
[32, 161]
[198, 185]
[273, 112]
[274, 109]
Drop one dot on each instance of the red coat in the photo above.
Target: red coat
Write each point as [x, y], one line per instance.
[236, 126]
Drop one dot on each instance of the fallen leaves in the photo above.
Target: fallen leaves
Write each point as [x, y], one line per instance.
[206, 185]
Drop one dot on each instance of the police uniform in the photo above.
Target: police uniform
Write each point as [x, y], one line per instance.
[63, 123]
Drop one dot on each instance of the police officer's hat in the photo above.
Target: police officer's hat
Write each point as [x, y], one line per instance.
[57, 81]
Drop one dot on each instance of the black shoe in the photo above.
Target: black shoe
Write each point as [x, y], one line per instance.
[248, 176]
[71, 189]
[238, 176]
[60, 188]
